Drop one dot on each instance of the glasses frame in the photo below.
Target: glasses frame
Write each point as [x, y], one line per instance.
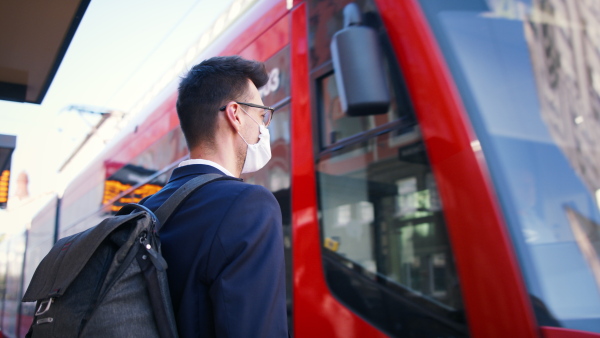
[271, 109]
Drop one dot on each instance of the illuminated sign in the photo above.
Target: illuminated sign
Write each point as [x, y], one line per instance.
[7, 146]
[112, 189]
[4, 179]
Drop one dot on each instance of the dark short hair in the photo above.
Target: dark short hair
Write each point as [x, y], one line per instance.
[208, 86]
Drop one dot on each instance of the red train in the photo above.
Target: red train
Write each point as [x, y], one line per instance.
[438, 172]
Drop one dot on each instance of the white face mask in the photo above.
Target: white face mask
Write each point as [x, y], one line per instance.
[257, 154]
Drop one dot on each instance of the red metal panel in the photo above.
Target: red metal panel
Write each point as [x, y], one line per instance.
[248, 36]
[558, 332]
[494, 294]
[270, 42]
[316, 312]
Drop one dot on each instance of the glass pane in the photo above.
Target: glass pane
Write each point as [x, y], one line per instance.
[380, 210]
[336, 126]
[326, 18]
[278, 86]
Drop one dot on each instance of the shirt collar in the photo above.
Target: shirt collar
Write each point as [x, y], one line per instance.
[205, 162]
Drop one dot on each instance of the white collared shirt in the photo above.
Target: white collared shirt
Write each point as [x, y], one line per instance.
[206, 162]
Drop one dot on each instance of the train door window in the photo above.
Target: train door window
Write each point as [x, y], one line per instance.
[386, 251]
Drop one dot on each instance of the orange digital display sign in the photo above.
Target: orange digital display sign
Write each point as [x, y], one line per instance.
[4, 180]
[7, 146]
[113, 188]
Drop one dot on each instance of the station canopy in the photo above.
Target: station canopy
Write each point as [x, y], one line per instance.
[34, 37]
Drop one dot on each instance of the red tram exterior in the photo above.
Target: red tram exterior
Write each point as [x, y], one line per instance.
[469, 207]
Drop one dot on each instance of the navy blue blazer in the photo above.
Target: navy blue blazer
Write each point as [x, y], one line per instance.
[224, 248]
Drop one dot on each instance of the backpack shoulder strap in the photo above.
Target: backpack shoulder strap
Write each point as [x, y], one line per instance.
[164, 212]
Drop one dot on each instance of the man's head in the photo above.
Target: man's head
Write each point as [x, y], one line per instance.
[210, 85]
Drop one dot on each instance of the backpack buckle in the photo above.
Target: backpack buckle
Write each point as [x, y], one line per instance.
[45, 305]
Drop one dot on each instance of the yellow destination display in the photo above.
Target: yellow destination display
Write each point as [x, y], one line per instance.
[4, 179]
[113, 188]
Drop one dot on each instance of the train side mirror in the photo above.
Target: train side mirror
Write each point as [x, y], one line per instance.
[358, 64]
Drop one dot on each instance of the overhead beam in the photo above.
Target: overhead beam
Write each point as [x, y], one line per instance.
[34, 37]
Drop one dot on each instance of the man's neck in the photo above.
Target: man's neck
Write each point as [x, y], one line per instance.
[222, 159]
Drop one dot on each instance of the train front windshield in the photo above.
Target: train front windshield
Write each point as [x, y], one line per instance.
[528, 73]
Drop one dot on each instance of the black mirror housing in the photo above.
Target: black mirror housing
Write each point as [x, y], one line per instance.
[358, 64]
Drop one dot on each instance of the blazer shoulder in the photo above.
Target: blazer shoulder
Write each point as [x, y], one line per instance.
[252, 217]
[244, 189]
[258, 194]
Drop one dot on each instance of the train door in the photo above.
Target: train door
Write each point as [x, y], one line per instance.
[384, 250]
[388, 207]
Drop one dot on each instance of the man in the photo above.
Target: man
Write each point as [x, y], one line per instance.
[224, 245]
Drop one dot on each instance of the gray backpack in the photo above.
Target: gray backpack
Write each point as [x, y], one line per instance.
[110, 280]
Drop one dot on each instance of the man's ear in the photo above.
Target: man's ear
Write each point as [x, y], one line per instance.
[232, 116]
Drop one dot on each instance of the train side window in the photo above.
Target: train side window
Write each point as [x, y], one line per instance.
[337, 126]
[386, 251]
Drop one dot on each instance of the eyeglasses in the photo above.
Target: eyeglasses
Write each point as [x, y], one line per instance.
[268, 111]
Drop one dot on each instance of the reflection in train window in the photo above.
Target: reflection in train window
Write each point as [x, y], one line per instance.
[337, 126]
[334, 125]
[392, 204]
[384, 233]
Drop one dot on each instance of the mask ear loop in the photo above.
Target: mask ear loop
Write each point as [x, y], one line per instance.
[250, 116]
[248, 144]
[243, 138]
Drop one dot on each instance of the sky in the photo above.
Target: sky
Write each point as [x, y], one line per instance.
[121, 48]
